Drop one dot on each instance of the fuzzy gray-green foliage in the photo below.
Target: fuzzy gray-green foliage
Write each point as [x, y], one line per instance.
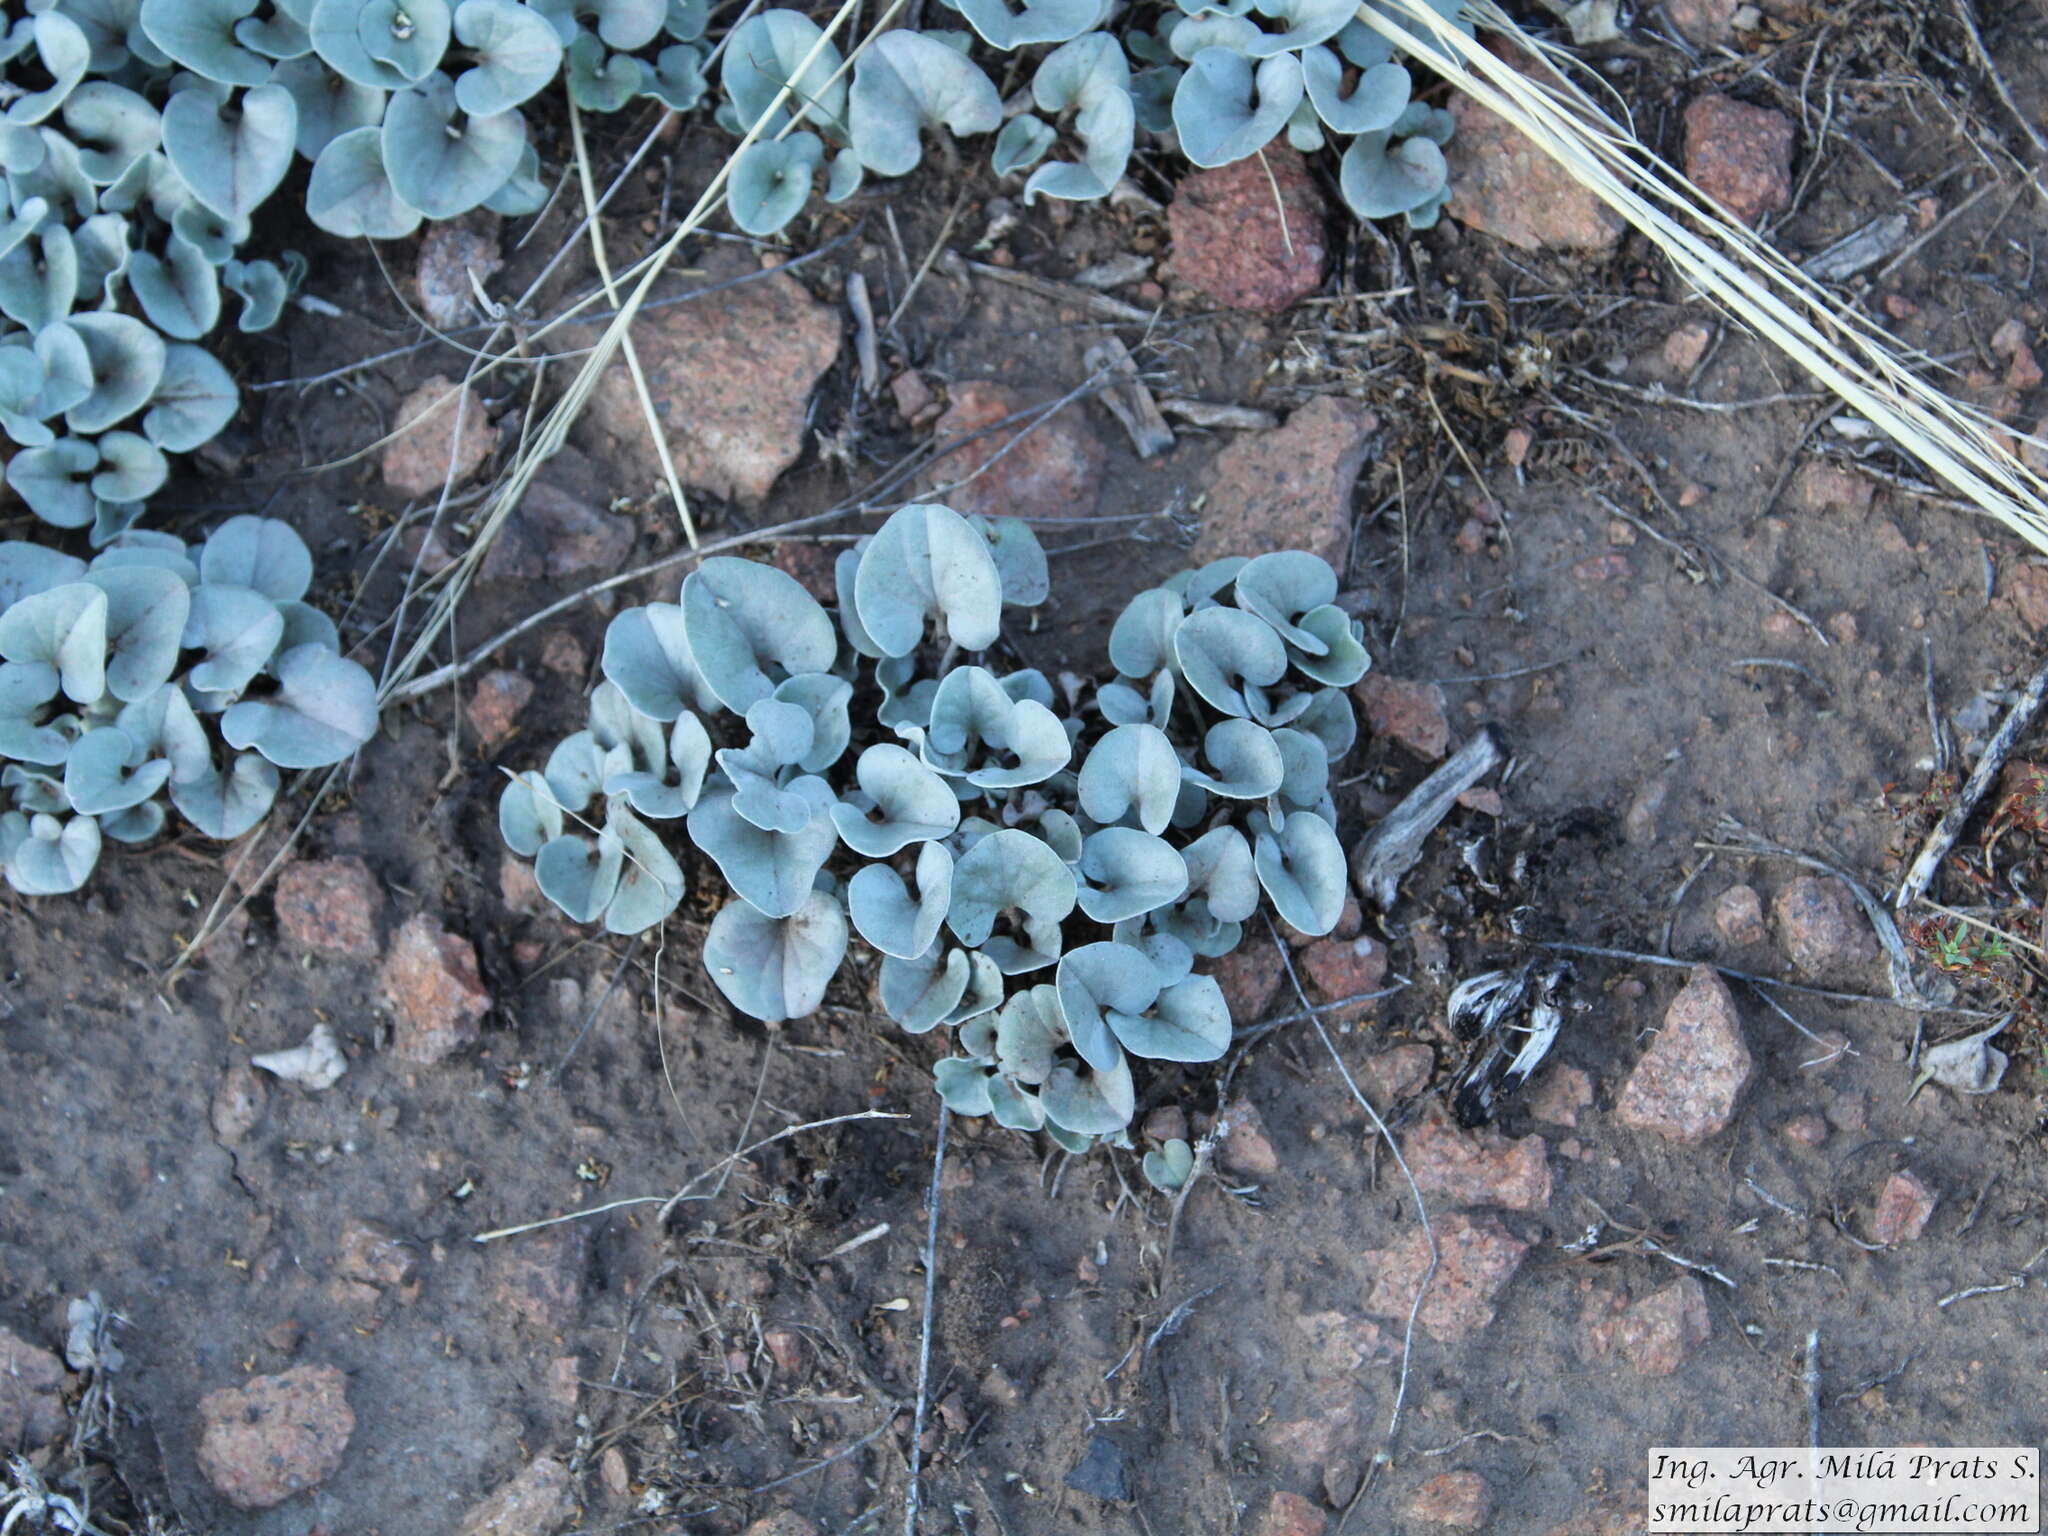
[117, 677]
[1038, 866]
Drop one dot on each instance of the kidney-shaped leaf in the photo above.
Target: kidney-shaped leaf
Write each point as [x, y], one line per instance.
[258, 552]
[238, 628]
[529, 816]
[329, 104]
[1091, 76]
[65, 55]
[1220, 650]
[580, 874]
[1302, 869]
[52, 480]
[55, 857]
[381, 43]
[127, 359]
[516, 52]
[1374, 103]
[113, 127]
[888, 917]
[763, 53]
[324, 709]
[1088, 1102]
[1343, 659]
[647, 657]
[1220, 871]
[146, 612]
[1247, 762]
[1224, 110]
[771, 181]
[1132, 770]
[976, 725]
[26, 569]
[225, 805]
[1129, 873]
[905, 803]
[1011, 870]
[1096, 984]
[1039, 21]
[441, 160]
[1189, 1021]
[106, 772]
[193, 399]
[351, 194]
[650, 881]
[1380, 179]
[1141, 641]
[63, 630]
[1308, 22]
[741, 618]
[928, 561]
[906, 82]
[1282, 586]
[773, 870]
[774, 969]
[231, 157]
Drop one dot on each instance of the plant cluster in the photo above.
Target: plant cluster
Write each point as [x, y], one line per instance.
[1038, 865]
[115, 678]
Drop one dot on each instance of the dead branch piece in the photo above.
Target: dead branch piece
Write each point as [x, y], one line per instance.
[914, 1495]
[954, 265]
[1129, 401]
[1866, 247]
[1642, 957]
[1396, 843]
[864, 347]
[1920, 875]
[1208, 413]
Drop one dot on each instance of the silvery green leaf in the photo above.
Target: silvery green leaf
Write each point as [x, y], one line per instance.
[904, 802]
[600, 80]
[1011, 871]
[906, 698]
[164, 725]
[905, 82]
[194, 398]
[137, 824]
[260, 553]
[225, 805]
[1308, 22]
[128, 362]
[1132, 771]
[742, 618]
[1330, 718]
[515, 52]
[1024, 141]
[1224, 110]
[772, 870]
[1061, 833]
[1200, 587]
[1038, 21]
[1029, 1028]
[52, 481]
[55, 857]
[1167, 1167]
[650, 881]
[1090, 77]
[442, 160]
[39, 277]
[101, 246]
[928, 562]
[1343, 661]
[1096, 983]
[1172, 958]
[1374, 103]
[1304, 129]
[110, 26]
[324, 709]
[238, 628]
[1121, 704]
[1220, 650]
[885, 913]
[776, 968]
[231, 162]
[762, 54]
[824, 698]
[215, 236]
[647, 655]
[686, 20]
[1247, 762]
[920, 993]
[280, 35]
[580, 874]
[106, 772]
[26, 569]
[845, 569]
[1380, 179]
[1281, 587]
[1306, 776]
[677, 79]
[528, 814]
[262, 286]
[381, 43]
[652, 791]
[329, 104]
[131, 468]
[62, 630]
[200, 35]
[1088, 1102]
[771, 181]
[65, 55]
[984, 991]
[963, 1084]
[351, 194]
[180, 296]
[1015, 1108]
[1189, 1021]
[1128, 872]
[975, 722]
[146, 613]
[24, 691]
[113, 126]
[1141, 641]
[578, 769]
[623, 24]
[38, 793]
[1302, 870]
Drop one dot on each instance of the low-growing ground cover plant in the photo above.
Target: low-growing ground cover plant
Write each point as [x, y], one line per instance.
[1038, 865]
[121, 679]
